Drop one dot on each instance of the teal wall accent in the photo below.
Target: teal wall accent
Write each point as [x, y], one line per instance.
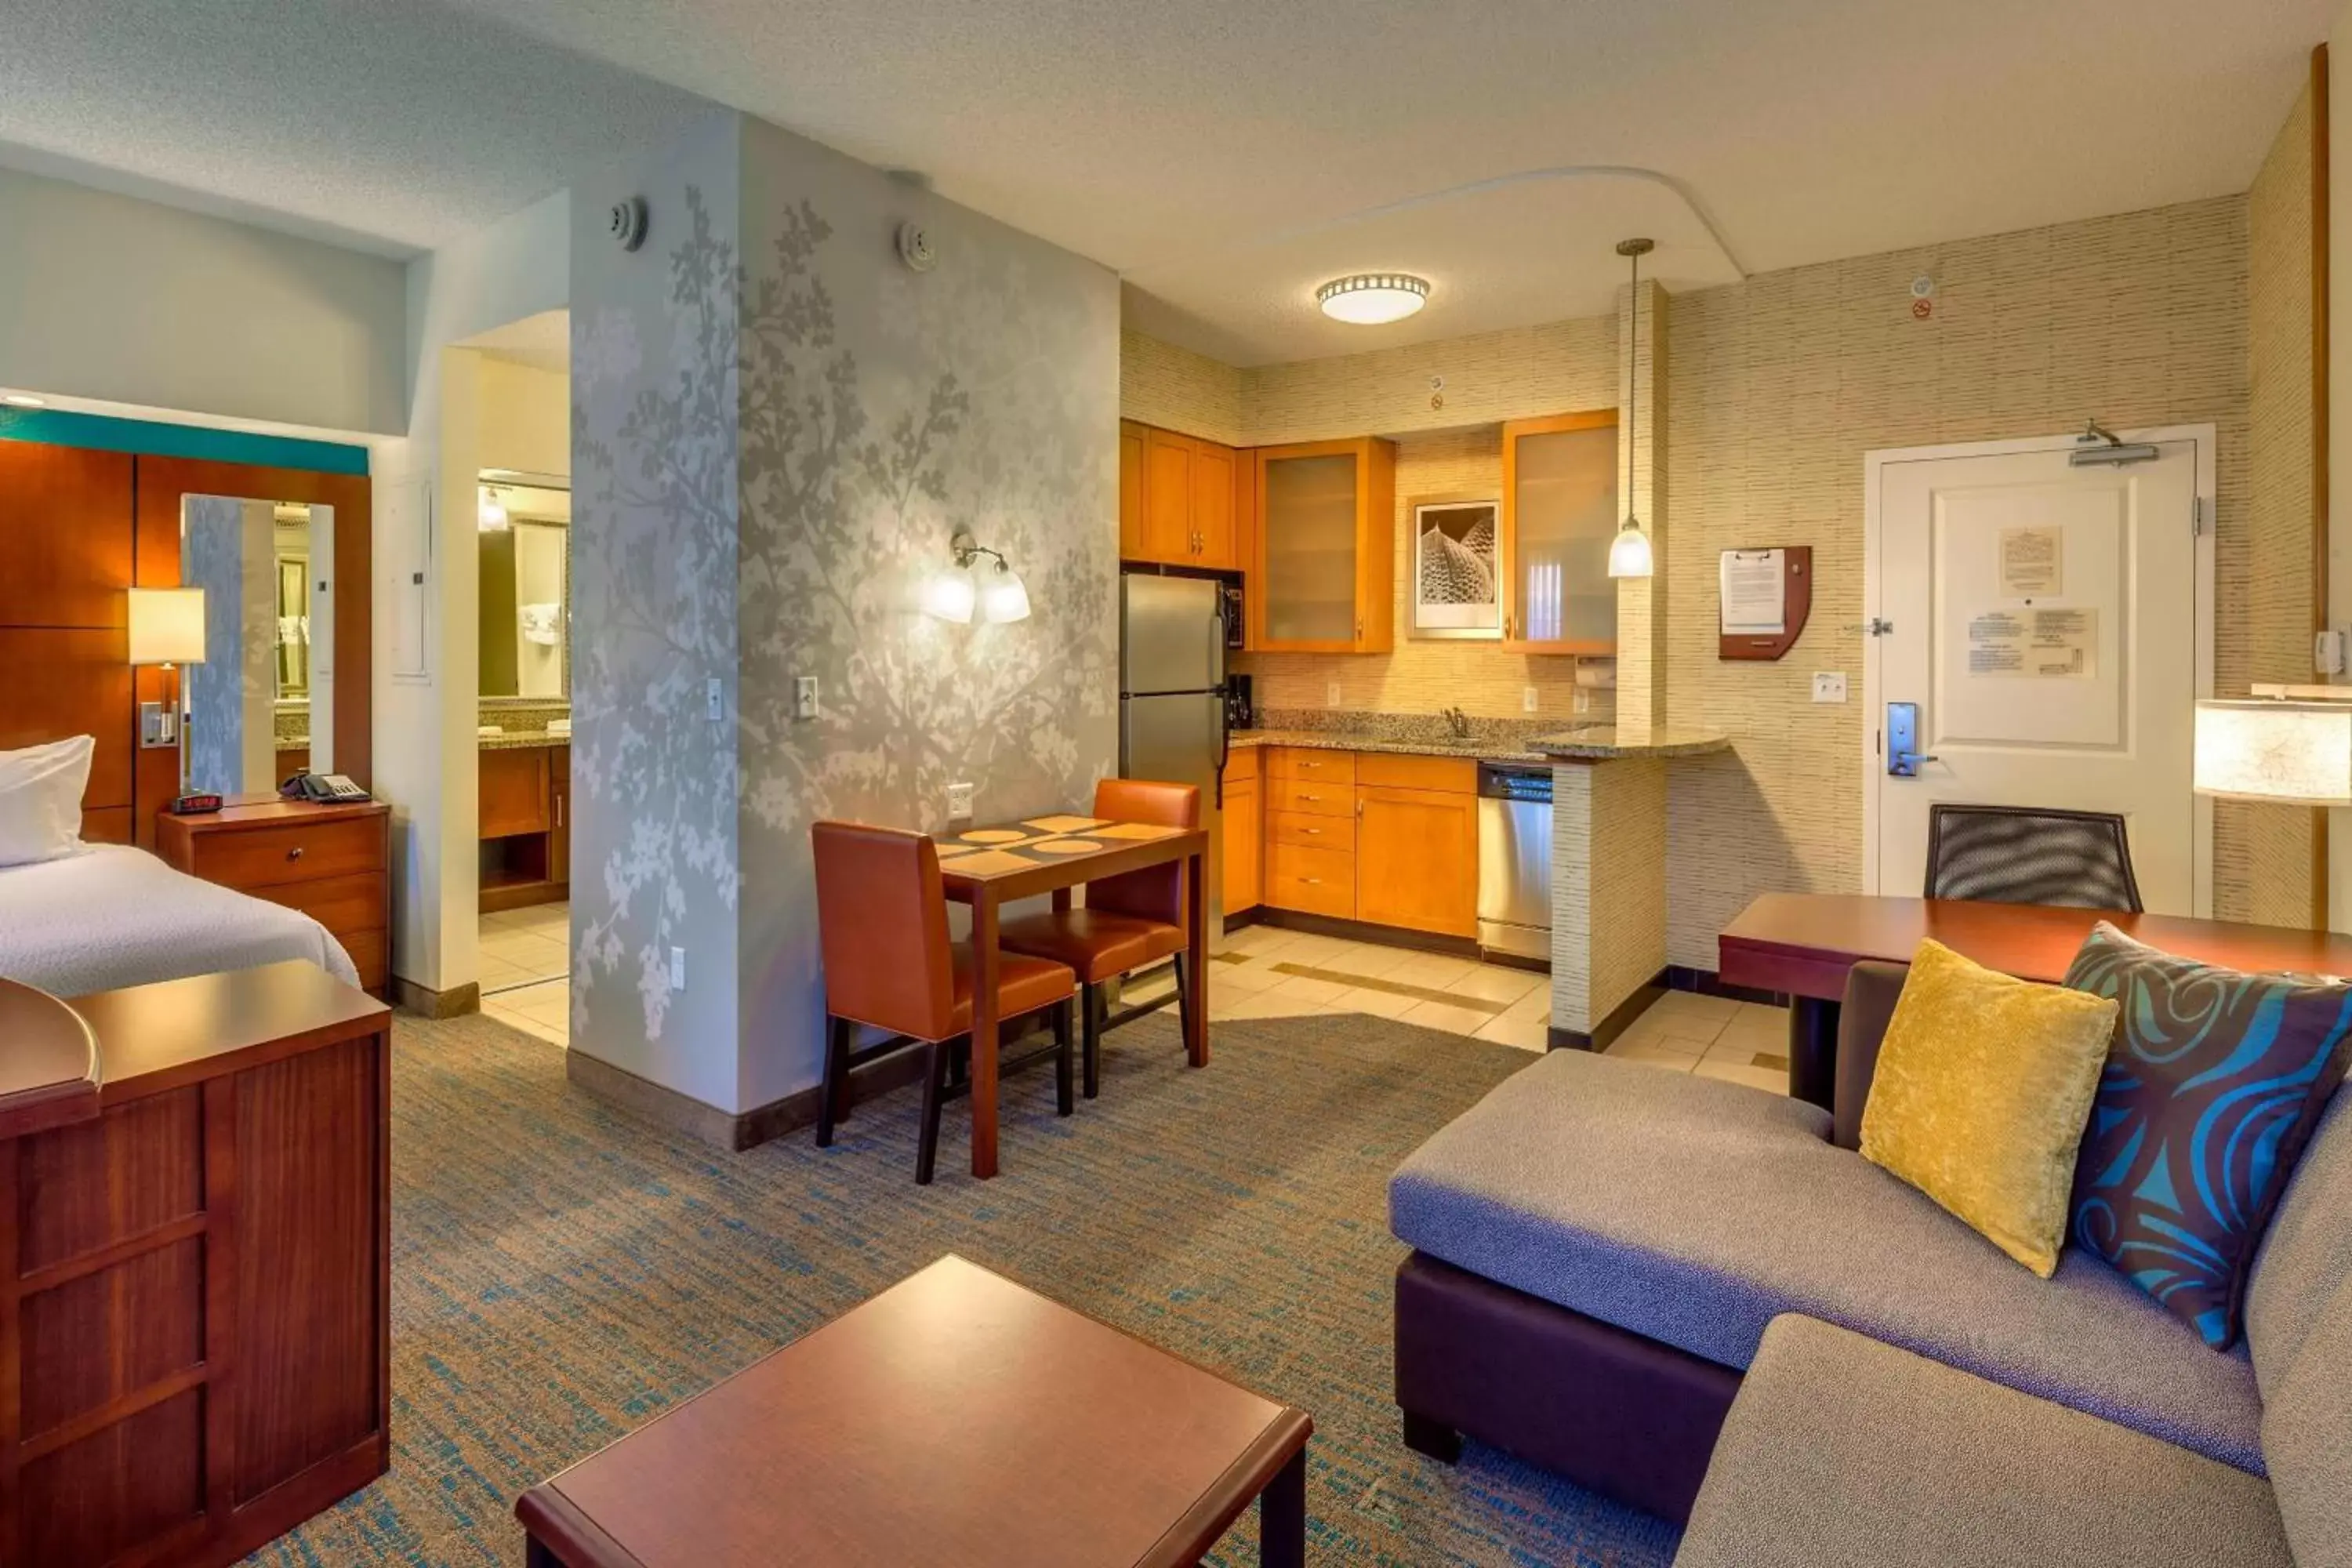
[60, 427]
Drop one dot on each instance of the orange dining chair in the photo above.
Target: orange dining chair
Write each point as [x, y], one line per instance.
[882, 923]
[1130, 920]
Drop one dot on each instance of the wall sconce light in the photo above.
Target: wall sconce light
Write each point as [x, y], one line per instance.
[490, 515]
[995, 592]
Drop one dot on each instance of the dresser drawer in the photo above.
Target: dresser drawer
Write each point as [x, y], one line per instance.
[339, 903]
[1454, 776]
[1311, 832]
[255, 858]
[1316, 797]
[1313, 766]
[1315, 881]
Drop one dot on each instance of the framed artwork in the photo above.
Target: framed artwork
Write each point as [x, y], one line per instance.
[1457, 571]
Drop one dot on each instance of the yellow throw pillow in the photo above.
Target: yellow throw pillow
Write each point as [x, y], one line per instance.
[1983, 1086]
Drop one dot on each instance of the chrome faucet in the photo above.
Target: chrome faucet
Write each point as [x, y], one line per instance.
[1457, 721]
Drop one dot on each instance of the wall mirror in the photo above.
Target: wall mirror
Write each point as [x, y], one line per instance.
[262, 703]
[523, 526]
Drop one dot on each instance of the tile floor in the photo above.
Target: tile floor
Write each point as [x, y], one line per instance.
[526, 969]
[1268, 972]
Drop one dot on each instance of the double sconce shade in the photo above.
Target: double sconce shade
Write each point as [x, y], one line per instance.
[967, 589]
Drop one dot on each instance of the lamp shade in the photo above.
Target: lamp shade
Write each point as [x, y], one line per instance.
[2290, 753]
[949, 594]
[1005, 598]
[167, 626]
[1629, 553]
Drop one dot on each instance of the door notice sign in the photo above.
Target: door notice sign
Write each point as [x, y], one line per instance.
[2032, 562]
[2044, 643]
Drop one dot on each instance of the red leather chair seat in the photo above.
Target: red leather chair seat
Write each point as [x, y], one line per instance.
[1022, 985]
[1096, 943]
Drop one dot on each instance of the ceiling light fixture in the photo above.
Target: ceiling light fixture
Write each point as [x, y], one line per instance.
[996, 591]
[1629, 553]
[1371, 299]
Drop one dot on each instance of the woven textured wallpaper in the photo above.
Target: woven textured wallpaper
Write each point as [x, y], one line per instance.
[1176, 389]
[1782, 382]
[2262, 855]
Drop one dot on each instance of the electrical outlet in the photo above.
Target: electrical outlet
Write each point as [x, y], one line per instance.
[713, 700]
[1582, 702]
[1330, 694]
[959, 801]
[1527, 697]
[804, 697]
[678, 969]
[1829, 686]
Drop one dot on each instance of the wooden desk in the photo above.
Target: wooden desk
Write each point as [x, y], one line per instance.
[1802, 944]
[980, 868]
[195, 1278]
[953, 1421]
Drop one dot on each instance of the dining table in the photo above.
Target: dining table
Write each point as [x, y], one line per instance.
[990, 867]
[1800, 946]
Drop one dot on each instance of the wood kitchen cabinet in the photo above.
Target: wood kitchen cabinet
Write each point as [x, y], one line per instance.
[1324, 573]
[1385, 839]
[1560, 511]
[1176, 500]
[1244, 833]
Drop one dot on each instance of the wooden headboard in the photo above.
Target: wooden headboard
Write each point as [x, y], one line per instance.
[78, 527]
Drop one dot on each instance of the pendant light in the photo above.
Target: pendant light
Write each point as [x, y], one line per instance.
[1629, 553]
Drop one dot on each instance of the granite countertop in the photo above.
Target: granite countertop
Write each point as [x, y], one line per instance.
[1605, 742]
[1473, 747]
[516, 740]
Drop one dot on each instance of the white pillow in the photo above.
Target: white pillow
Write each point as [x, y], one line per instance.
[40, 800]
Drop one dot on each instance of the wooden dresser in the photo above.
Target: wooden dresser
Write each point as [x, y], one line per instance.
[331, 862]
[194, 1265]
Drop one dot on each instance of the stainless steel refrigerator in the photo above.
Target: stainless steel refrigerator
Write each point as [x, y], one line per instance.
[1171, 699]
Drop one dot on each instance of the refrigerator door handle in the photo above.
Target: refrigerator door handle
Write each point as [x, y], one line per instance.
[1217, 647]
[1224, 742]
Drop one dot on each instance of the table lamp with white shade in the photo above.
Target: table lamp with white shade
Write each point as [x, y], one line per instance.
[167, 628]
[2286, 747]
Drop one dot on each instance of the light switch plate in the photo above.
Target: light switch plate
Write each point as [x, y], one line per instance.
[1582, 702]
[1330, 694]
[804, 697]
[1829, 686]
[959, 801]
[1527, 697]
[678, 969]
[713, 700]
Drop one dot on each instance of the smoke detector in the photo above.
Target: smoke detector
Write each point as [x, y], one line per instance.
[915, 248]
[626, 222]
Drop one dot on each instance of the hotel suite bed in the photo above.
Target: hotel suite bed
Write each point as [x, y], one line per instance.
[111, 916]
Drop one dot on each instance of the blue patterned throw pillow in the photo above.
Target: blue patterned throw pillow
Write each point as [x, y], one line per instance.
[2212, 1089]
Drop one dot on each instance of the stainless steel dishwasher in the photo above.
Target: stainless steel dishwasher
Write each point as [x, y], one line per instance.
[1515, 860]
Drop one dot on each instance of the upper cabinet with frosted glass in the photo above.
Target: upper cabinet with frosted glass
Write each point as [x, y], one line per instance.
[1326, 572]
[1560, 512]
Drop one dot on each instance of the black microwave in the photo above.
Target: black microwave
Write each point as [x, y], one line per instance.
[1234, 625]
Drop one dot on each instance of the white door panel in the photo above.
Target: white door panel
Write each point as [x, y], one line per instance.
[2052, 625]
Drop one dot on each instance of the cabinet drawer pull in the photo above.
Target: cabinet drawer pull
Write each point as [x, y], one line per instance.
[1312, 881]
[1310, 797]
[1312, 832]
[295, 853]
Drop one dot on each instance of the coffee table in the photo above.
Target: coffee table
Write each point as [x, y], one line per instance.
[955, 1420]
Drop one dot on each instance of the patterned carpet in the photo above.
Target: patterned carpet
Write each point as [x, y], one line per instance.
[562, 1273]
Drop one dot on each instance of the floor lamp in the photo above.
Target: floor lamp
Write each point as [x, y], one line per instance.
[167, 628]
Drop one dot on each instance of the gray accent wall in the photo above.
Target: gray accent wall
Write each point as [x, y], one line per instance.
[777, 427]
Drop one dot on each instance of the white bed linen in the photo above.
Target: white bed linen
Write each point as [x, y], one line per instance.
[113, 916]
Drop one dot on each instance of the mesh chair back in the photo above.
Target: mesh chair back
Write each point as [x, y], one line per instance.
[2029, 855]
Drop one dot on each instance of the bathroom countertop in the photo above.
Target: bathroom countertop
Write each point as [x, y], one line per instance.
[516, 740]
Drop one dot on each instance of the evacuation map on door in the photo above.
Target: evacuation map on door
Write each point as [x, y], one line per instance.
[2045, 643]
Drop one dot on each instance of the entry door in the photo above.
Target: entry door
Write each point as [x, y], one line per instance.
[2053, 625]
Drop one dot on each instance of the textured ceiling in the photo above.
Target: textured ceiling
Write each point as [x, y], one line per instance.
[1217, 152]
[537, 342]
[390, 125]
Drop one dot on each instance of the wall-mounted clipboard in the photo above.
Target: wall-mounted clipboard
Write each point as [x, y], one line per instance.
[1766, 598]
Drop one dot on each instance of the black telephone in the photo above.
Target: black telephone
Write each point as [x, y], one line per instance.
[333, 789]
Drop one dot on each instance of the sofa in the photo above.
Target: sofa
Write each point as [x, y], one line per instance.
[1698, 1298]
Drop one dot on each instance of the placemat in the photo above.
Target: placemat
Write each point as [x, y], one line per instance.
[1066, 846]
[990, 863]
[1135, 830]
[1062, 824]
[994, 836]
[949, 847]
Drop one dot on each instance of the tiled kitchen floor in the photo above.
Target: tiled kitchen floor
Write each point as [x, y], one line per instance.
[1268, 972]
[526, 969]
